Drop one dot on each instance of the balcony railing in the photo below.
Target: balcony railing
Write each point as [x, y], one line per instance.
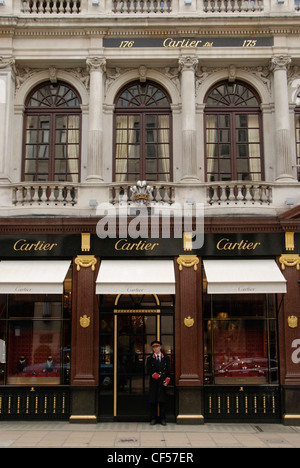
[235, 193]
[151, 7]
[120, 194]
[54, 7]
[216, 196]
[50, 194]
[141, 6]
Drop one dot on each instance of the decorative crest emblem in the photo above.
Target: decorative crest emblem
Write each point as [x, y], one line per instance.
[85, 321]
[188, 321]
[141, 193]
[292, 321]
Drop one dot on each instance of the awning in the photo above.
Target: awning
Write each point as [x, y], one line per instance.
[33, 276]
[136, 277]
[243, 277]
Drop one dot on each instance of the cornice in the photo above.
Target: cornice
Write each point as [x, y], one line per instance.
[77, 225]
[147, 26]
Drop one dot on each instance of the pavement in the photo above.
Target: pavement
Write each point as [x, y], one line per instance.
[131, 435]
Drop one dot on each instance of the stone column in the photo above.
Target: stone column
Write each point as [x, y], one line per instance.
[189, 154]
[282, 120]
[94, 163]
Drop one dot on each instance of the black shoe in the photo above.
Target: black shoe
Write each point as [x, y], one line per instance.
[163, 422]
[153, 422]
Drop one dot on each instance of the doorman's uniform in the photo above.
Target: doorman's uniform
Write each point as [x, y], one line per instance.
[159, 372]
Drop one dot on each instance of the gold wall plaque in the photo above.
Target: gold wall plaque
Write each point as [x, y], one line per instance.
[85, 261]
[85, 321]
[292, 321]
[188, 321]
[188, 261]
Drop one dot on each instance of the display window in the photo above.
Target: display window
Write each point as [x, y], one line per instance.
[240, 339]
[35, 337]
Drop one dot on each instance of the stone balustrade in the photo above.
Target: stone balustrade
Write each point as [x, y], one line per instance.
[216, 197]
[152, 7]
[233, 193]
[48, 194]
[160, 193]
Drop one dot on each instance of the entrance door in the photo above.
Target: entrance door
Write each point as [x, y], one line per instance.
[128, 326]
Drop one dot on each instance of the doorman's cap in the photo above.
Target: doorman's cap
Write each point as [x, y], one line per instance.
[155, 342]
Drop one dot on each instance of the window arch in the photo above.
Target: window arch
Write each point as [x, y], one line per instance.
[142, 134]
[233, 123]
[52, 128]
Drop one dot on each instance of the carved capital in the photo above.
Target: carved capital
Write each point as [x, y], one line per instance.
[96, 64]
[280, 63]
[188, 63]
[7, 62]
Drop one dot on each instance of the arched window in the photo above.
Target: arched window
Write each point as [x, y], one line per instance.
[142, 143]
[297, 123]
[233, 142]
[52, 134]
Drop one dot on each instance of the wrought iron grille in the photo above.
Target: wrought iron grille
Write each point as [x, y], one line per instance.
[34, 403]
[242, 403]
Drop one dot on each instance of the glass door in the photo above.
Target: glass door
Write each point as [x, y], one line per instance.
[127, 331]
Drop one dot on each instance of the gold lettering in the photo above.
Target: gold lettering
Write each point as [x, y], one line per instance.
[16, 246]
[225, 244]
[23, 245]
[123, 244]
[169, 42]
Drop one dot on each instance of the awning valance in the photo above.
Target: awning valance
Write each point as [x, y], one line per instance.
[243, 277]
[136, 277]
[33, 276]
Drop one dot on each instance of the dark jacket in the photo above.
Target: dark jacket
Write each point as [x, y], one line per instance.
[157, 391]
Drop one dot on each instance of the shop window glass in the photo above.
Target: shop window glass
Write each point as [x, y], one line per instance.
[240, 339]
[35, 337]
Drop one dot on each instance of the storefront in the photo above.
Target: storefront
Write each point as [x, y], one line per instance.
[78, 314]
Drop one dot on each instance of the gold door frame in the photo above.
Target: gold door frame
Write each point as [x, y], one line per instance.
[128, 311]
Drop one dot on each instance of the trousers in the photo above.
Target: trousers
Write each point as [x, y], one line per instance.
[156, 408]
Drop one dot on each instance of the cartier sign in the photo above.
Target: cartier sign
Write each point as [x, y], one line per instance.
[171, 42]
[69, 245]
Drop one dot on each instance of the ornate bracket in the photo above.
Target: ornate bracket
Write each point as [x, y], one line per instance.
[85, 261]
[188, 261]
[289, 260]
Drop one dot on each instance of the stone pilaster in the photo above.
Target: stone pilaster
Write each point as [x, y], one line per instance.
[189, 156]
[95, 157]
[284, 163]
